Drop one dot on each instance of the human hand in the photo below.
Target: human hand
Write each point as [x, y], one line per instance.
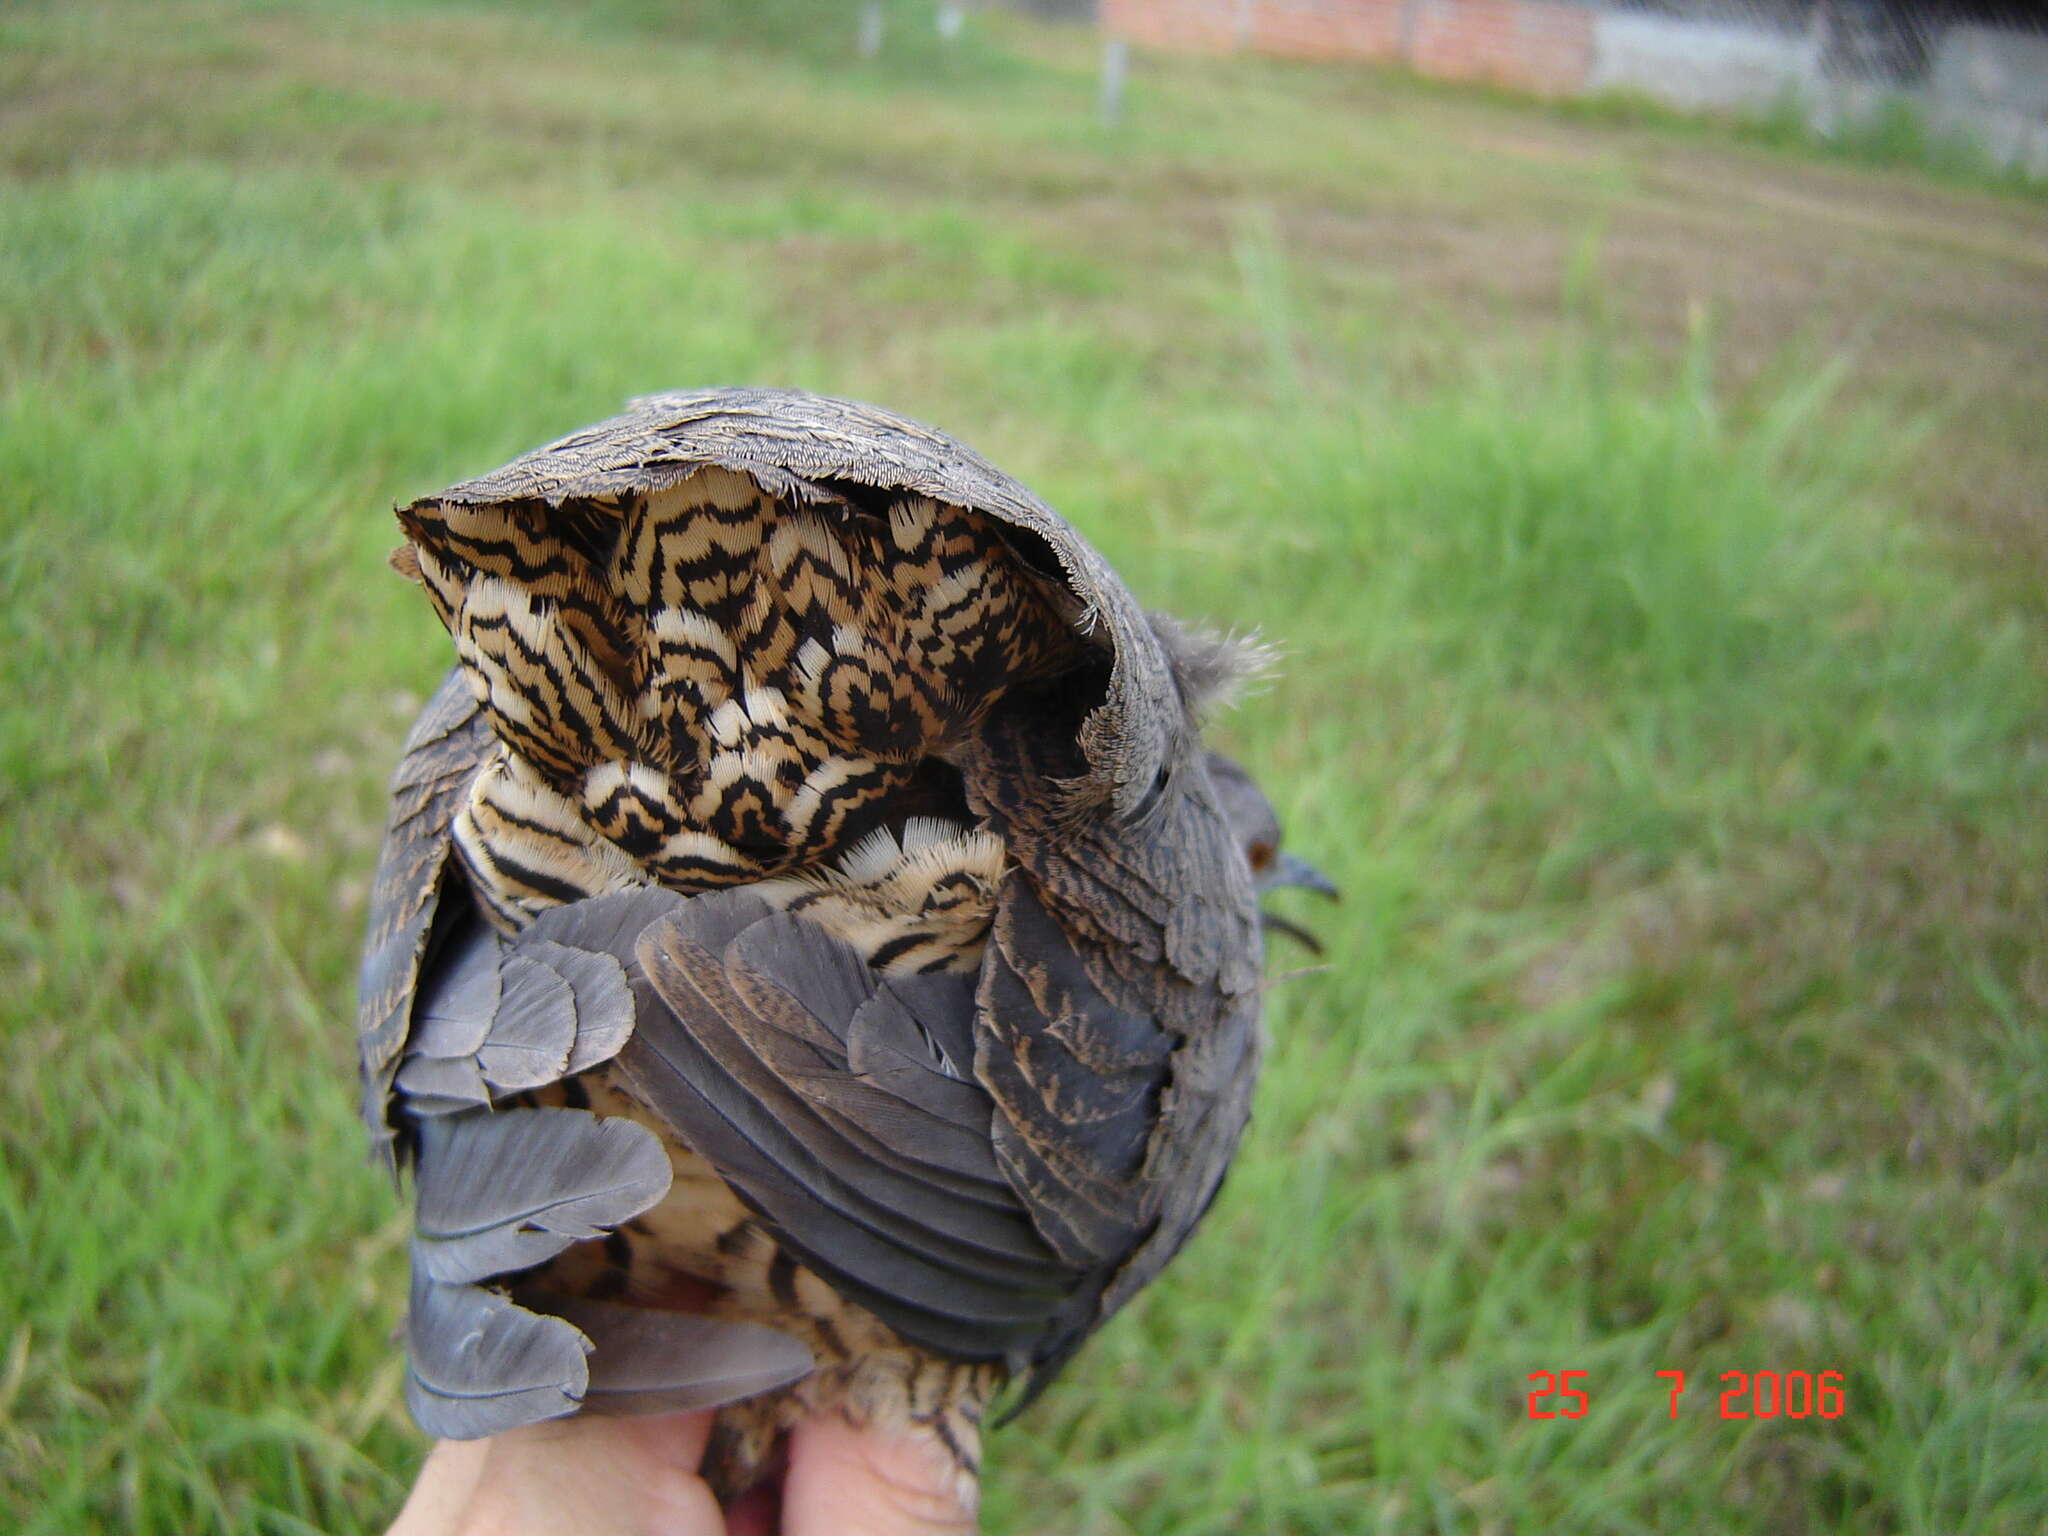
[638, 1477]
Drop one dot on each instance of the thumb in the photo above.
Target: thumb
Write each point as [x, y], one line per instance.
[575, 1475]
[845, 1481]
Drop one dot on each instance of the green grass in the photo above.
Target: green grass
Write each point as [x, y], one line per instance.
[1895, 131]
[1651, 527]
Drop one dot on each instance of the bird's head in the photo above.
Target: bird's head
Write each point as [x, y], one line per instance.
[1257, 826]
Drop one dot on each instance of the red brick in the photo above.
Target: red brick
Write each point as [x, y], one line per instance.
[1327, 29]
[1529, 44]
[1198, 26]
[1536, 45]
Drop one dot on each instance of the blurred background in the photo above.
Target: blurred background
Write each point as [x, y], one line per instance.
[1642, 477]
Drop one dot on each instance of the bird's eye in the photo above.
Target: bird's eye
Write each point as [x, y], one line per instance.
[1261, 855]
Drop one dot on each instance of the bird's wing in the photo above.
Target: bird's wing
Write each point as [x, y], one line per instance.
[1139, 935]
[448, 742]
[453, 1017]
[502, 1190]
[867, 1118]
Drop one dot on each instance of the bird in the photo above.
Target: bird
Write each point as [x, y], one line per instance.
[814, 962]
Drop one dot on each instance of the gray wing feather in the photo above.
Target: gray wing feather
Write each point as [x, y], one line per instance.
[943, 1008]
[477, 1364]
[534, 1029]
[425, 1104]
[480, 1362]
[500, 1192]
[604, 1000]
[494, 1019]
[455, 1081]
[456, 1004]
[889, 1046]
[506, 1191]
[827, 986]
[877, 1127]
[646, 1361]
[604, 924]
[895, 1205]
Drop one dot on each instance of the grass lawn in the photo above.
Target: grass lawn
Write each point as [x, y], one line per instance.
[1653, 527]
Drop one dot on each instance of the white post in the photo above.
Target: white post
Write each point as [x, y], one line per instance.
[871, 29]
[1116, 63]
[952, 17]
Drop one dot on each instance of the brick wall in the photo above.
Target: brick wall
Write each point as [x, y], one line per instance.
[1531, 44]
[1195, 26]
[1326, 29]
[1536, 45]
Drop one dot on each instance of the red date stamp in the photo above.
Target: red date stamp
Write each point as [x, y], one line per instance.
[1752, 1395]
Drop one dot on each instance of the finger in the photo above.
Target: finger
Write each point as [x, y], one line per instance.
[577, 1475]
[845, 1481]
[445, 1485]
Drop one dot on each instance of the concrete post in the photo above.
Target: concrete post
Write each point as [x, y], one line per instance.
[1116, 64]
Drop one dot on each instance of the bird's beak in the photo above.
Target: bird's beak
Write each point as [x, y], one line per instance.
[1289, 869]
[1294, 931]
